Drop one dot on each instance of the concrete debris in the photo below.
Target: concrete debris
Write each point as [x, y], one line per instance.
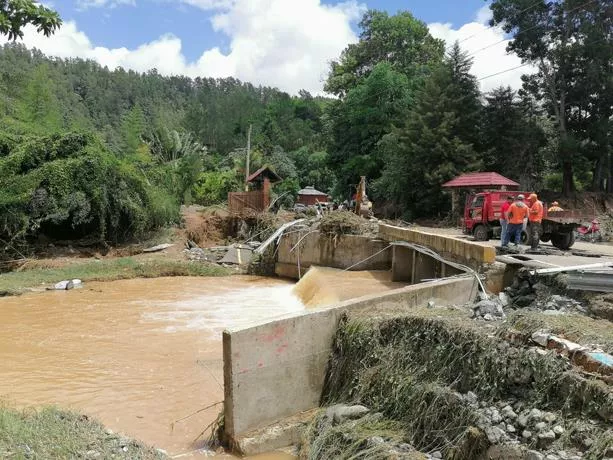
[341, 412]
[494, 434]
[237, 254]
[593, 361]
[527, 291]
[66, 285]
[489, 310]
[159, 247]
[504, 299]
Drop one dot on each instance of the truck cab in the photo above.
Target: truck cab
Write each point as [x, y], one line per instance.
[482, 213]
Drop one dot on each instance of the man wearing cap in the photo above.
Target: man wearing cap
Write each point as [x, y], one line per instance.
[535, 216]
[516, 214]
[555, 207]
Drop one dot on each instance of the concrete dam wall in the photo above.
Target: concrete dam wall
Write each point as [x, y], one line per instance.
[343, 251]
[276, 368]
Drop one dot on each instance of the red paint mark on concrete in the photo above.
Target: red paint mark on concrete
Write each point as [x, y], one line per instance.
[260, 364]
[243, 371]
[282, 348]
[277, 333]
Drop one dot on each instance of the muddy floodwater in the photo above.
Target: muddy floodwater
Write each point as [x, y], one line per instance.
[137, 354]
[143, 355]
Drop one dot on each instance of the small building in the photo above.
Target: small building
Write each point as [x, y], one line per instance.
[258, 199]
[309, 196]
[477, 181]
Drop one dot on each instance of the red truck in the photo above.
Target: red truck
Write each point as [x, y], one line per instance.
[482, 214]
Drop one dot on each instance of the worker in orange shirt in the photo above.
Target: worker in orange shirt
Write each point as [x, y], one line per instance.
[516, 214]
[535, 216]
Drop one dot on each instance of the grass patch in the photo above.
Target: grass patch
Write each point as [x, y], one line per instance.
[353, 439]
[51, 433]
[107, 270]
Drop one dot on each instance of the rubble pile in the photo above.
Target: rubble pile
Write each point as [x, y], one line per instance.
[512, 423]
[235, 254]
[527, 291]
[489, 309]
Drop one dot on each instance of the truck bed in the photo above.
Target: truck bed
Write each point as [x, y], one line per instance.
[568, 217]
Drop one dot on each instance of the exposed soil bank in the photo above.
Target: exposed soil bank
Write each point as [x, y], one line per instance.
[136, 354]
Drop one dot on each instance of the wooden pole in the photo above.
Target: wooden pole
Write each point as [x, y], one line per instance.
[248, 155]
[360, 194]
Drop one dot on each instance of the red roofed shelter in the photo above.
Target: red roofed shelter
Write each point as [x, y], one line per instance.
[477, 180]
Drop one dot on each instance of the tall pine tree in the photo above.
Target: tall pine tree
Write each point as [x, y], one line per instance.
[436, 142]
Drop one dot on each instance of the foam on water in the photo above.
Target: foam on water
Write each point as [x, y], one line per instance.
[225, 308]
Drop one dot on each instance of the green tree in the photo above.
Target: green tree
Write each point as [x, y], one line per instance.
[313, 169]
[359, 122]
[212, 187]
[132, 129]
[41, 109]
[400, 40]
[15, 14]
[432, 146]
[562, 39]
[512, 137]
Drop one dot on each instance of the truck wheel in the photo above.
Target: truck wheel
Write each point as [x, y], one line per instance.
[563, 241]
[546, 237]
[526, 236]
[481, 233]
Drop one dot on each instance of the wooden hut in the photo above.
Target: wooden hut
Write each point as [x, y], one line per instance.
[309, 196]
[258, 199]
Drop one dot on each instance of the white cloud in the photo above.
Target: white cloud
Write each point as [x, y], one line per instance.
[210, 4]
[282, 43]
[84, 4]
[474, 37]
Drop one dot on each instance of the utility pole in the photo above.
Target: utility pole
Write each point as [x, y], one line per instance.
[248, 154]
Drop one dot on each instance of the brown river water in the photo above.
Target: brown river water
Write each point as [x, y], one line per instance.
[141, 354]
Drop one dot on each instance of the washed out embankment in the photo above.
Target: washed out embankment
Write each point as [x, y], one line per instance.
[436, 381]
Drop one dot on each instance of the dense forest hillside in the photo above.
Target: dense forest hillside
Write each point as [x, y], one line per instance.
[403, 110]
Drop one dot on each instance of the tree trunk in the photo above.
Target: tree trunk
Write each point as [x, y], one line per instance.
[597, 181]
[568, 183]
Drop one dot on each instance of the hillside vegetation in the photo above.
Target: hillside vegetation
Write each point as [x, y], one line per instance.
[108, 154]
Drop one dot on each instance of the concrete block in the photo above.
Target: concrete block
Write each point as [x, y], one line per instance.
[465, 252]
[325, 251]
[403, 260]
[276, 368]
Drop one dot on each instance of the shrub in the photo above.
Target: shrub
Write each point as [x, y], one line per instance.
[69, 186]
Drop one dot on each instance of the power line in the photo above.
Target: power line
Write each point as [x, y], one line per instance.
[490, 27]
[504, 71]
[528, 63]
[524, 31]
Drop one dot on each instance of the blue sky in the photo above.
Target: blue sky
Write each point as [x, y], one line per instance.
[131, 25]
[288, 44]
